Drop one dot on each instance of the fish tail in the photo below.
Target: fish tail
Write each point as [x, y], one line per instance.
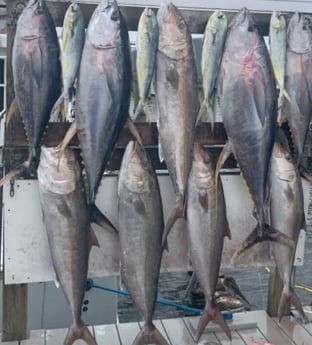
[149, 334]
[140, 109]
[16, 172]
[202, 112]
[262, 233]
[287, 297]
[57, 108]
[211, 313]
[177, 212]
[79, 331]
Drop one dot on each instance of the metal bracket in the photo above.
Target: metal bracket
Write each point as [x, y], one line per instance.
[14, 13]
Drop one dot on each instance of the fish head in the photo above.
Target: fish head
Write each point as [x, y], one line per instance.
[299, 36]
[217, 21]
[136, 168]
[243, 37]
[58, 174]
[173, 31]
[282, 165]
[73, 14]
[203, 165]
[104, 26]
[32, 19]
[277, 21]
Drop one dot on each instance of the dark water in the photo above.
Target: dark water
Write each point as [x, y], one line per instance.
[253, 283]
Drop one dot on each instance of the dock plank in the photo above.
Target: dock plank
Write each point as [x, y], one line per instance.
[206, 336]
[268, 327]
[55, 336]
[107, 334]
[224, 340]
[250, 335]
[294, 330]
[35, 337]
[127, 332]
[160, 327]
[178, 332]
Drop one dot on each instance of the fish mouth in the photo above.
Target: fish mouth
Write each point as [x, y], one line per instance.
[240, 17]
[166, 10]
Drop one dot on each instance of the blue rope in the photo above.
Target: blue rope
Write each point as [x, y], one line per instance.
[90, 285]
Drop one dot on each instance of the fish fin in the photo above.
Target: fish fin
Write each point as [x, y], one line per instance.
[79, 331]
[149, 335]
[72, 130]
[227, 232]
[290, 297]
[101, 220]
[211, 313]
[177, 212]
[224, 155]
[286, 95]
[130, 124]
[57, 109]
[93, 239]
[37, 65]
[261, 234]
[15, 172]
[11, 112]
[203, 199]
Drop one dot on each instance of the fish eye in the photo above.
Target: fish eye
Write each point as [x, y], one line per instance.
[251, 27]
[181, 25]
[220, 16]
[114, 15]
[288, 158]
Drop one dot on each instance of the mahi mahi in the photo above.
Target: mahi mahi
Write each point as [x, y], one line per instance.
[287, 215]
[277, 38]
[214, 39]
[140, 222]
[206, 227]
[147, 42]
[72, 44]
[67, 221]
[298, 81]
[36, 72]
[248, 105]
[177, 102]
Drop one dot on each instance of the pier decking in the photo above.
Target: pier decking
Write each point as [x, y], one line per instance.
[246, 327]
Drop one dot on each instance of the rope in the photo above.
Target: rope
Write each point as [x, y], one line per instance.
[90, 285]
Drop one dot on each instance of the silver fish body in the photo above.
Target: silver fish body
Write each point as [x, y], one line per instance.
[177, 101]
[36, 70]
[67, 222]
[206, 227]
[72, 44]
[147, 42]
[140, 223]
[214, 38]
[287, 215]
[298, 81]
[248, 106]
[103, 91]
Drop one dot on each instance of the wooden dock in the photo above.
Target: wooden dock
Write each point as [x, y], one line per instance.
[246, 327]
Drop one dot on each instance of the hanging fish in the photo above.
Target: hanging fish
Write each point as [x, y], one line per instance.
[177, 102]
[140, 223]
[147, 42]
